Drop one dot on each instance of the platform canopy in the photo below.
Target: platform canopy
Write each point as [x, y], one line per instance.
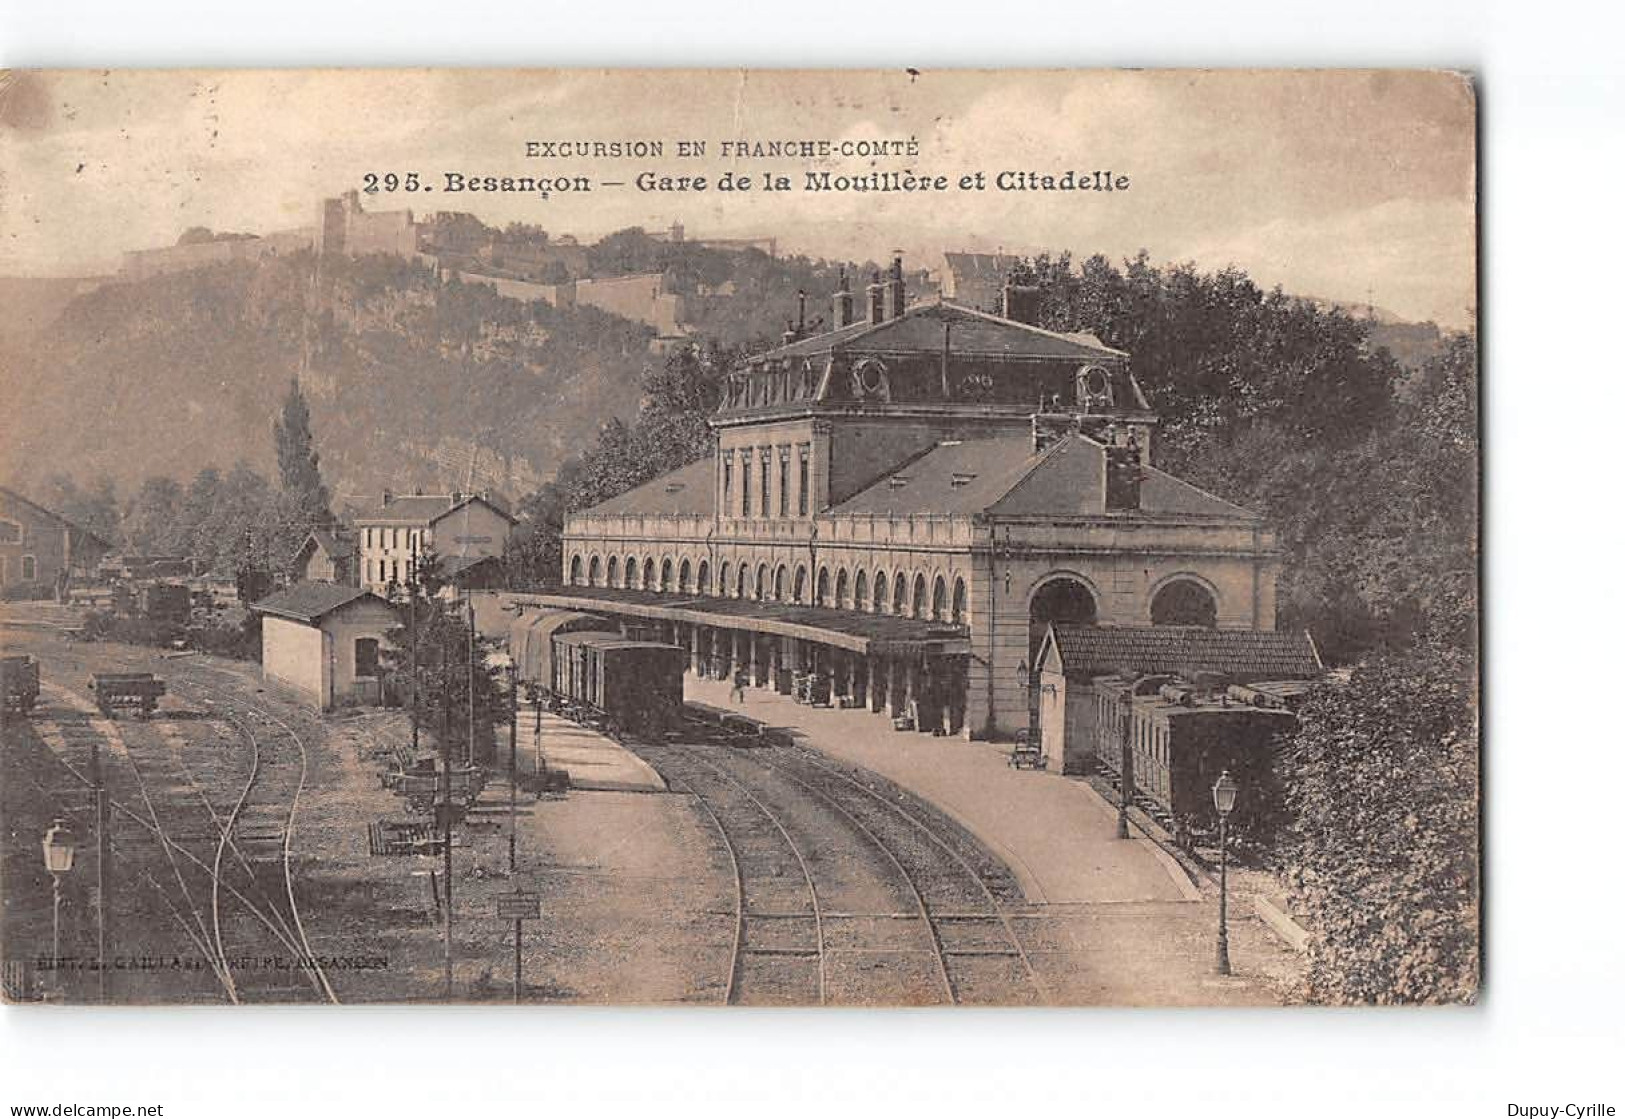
[868, 634]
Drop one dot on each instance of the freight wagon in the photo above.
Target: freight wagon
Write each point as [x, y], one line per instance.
[636, 685]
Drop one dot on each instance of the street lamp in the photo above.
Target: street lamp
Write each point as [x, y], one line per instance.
[1224, 800]
[58, 847]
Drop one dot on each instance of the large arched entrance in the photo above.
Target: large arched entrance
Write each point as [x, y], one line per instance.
[1184, 602]
[1060, 599]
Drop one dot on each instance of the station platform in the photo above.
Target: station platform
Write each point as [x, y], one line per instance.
[1057, 834]
[592, 760]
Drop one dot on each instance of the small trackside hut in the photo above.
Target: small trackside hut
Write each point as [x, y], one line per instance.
[324, 642]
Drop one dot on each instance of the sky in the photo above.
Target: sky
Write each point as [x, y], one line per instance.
[1356, 186]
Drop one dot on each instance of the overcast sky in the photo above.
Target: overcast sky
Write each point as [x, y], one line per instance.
[1344, 185]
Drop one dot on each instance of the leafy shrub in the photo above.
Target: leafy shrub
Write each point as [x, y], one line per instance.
[1382, 781]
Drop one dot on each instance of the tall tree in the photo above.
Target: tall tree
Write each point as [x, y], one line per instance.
[297, 461]
[304, 503]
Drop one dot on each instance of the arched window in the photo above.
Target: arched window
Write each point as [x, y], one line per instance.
[800, 594]
[665, 575]
[684, 574]
[704, 580]
[575, 571]
[919, 597]
[648, 583]
[725, 583]
[860, 591]
[614, 571]
[882, 592]
[630, 571]
[778, 584]
[958, 617]
[1184, 602]
[899, 593]
[939, 600]
[761, 581]
[595, 572]
[740, 580]
[843, 590]
[821, 592]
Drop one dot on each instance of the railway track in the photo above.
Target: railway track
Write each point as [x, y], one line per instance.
[778, 952]
[225, 862]
[922, 921]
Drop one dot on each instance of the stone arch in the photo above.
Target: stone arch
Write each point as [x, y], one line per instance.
[685, 575]
[860, 592]
[613, 577]
[762, 583]
[778, 583]
[882, 591]
[917, 604]
[595, 571]
[799, 594]
[960, 603]
[575, 570]
[665, 574]
[843, 590]
[939, 600]
[725, 579]
[702, 581]
[648, 582]
[821, 588]
[1184, 600]
[899, 593]
[1060, 596]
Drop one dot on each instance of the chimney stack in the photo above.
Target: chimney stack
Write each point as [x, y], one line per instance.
[1123, 477]
[894, 286]
[877, 306]
[1020, 303]
[843, 303]
[801, 312]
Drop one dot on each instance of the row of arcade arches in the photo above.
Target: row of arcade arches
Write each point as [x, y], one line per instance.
[899, 593]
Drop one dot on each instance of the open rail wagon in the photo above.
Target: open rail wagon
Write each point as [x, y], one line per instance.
[135, 691]
[19, 683]
[636, 685]
[422, 783]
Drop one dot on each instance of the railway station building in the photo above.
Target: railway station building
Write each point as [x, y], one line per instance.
[903, 504]
[324, 641]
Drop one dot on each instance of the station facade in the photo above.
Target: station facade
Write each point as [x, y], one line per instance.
[903, 504]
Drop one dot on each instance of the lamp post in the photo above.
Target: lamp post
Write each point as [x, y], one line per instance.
[57, 846]
[1224, 800]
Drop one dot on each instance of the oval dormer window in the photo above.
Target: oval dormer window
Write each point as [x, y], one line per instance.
[1094, 388]
[870, 380]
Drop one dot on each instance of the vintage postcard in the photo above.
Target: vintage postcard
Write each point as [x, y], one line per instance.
[846, 538]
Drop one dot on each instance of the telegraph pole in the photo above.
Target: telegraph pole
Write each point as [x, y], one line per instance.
[412, 630]
[445, 798]
[102, 851]
[513, 824]
[1127, 767]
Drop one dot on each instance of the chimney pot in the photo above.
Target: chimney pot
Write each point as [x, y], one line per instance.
[877, 300]
[894, 296]
[843, 304]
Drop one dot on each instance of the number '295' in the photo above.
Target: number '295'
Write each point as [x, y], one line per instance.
[372, 183]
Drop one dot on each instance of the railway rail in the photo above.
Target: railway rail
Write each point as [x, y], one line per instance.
[230, 881]
[786, 883]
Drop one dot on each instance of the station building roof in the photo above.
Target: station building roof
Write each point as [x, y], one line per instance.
[869, 634]
[1239, 653]
[310, 602]
[1001, 475]
[687, 491]
[919, 330]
